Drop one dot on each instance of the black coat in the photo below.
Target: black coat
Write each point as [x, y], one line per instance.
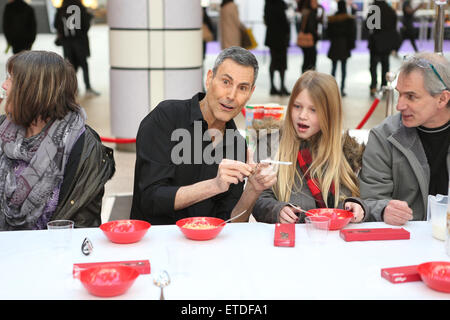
[342, 34]
[278, 27]
[384, 40]
[19, 24]
[75, 39]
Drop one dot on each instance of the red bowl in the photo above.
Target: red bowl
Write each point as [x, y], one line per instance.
[108, 281]
[125, 231]
[339, 218]
[200, 234]
[436, 275]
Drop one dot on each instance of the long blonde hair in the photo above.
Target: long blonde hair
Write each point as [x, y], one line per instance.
[328, 162]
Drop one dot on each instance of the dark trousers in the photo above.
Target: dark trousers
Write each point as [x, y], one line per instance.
[374, 60]
[78, 59]
[408, 32]
[309, 58]
[343, 71]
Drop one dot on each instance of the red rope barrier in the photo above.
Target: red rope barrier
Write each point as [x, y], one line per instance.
[117, 140]
[368, 114]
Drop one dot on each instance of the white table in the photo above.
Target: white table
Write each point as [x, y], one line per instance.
[241, 263]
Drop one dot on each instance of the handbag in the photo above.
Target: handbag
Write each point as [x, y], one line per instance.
[246, 42]
[305, 39]
[253, 43]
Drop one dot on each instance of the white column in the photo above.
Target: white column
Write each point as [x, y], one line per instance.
[155, 54]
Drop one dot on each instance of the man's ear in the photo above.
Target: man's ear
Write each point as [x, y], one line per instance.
[444, 99]
[209, 77]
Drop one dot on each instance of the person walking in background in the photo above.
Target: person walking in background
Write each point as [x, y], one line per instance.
[207, 30]
[277, 39]
[408, 31]
[230, 25]
[308, 24]
[342, 34]
[74, 38]
[382, 41]
[19, 25]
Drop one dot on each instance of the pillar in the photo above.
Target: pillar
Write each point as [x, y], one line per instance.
[155, 54]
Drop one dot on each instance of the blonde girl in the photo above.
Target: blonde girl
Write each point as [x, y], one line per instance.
[312, 141]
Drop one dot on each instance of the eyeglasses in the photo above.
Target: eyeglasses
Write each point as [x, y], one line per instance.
[423, 63]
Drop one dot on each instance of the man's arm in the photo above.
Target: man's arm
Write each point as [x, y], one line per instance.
[229, 172]
[263, 178]
[377, 185]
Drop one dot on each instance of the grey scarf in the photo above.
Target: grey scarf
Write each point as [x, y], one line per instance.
[23, 195]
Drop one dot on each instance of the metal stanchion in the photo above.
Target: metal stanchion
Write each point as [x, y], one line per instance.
[388, 90]
[439, 29]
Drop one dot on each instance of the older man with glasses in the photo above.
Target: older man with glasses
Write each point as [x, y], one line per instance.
[407, 155]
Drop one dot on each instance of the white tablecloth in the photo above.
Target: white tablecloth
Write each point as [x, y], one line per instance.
[241, 263]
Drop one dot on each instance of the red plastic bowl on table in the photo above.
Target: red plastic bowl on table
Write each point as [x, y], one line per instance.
[436, 275]
[125, 231]
[200, 233]
[108, 281]
[339, 218]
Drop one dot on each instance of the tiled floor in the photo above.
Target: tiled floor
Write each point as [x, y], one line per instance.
[355, 104]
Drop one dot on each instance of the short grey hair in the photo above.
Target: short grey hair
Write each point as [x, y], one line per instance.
[431, 81]
[240, 56]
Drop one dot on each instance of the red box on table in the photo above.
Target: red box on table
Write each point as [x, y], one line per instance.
[374, 234]
[284, 235]
[401, 274]
[141, 266]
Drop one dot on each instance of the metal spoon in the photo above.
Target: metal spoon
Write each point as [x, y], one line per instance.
[231, 219]
[162, 280]
[297, 207]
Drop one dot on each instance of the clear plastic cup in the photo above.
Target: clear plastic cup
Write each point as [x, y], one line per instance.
[317, 229]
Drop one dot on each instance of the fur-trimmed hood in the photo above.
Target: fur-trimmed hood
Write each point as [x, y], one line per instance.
[353, 151]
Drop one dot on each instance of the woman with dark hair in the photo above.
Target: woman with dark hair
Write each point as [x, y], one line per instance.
[342, 33]
[52, 165]
[277, 39]
[73, 36]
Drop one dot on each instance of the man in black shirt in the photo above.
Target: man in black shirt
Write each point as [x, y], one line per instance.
[407, 156]
[190, 158]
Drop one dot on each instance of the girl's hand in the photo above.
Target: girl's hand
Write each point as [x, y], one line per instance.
[287, 215]
[358, 211]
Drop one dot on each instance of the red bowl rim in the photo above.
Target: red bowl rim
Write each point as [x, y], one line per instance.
[104, 226]
[434, 283]
[423, 268]
[312, 212]
[180, 223]
[133, 272]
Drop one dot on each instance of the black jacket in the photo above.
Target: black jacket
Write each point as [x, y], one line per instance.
[73, 38]
[19, 24]
[342, 34]
[278, 27]
[89, 167]
[386, 38]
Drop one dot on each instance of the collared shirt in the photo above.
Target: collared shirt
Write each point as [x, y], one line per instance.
[174, 149]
